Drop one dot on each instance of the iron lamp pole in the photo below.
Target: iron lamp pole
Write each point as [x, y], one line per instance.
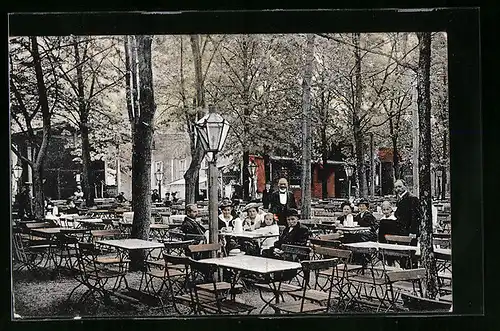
[212, 130]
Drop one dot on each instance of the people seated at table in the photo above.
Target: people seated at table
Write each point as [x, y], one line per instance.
[155, 197]
[167, 202]
[347, 210]
[253, 219]
[293, 234]
[175, 199]
[268, 226]
[78, 194]
[226, 220]
[388, 223]
[70, 207]
[190, 225]
[366, 219]
[121, 197]
[50, 208]
[234, 206]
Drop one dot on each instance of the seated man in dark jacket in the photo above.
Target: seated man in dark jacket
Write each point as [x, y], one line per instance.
[293, 234]
[190, 225]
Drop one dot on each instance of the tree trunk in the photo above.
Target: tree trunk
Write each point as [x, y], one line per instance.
[324, 147]
[83, 110]
[141, 155]
[395, 158]
[191, 177]
[246, 176]
[39, 207]
[372, 167]
[358, 133]
[306, 130]
[424, 117]
[443, 169]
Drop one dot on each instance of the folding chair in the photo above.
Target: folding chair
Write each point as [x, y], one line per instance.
[309, 300]
[31, 256]
[211, 297]
[296, 253]
[95, 275]
[198, 252]
[400, 240]
[164, 275]
[403, 281]
[341, 270]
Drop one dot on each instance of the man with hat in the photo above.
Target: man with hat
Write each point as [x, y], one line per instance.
[293, 234]
[366, 219]
[281, 201]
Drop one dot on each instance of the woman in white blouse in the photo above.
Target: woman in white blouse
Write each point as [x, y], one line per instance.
[253, 219]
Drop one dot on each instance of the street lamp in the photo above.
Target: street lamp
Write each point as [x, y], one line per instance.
[212, 130]
[159, 179]
[17, 171]
[252, 168]
[348, 171]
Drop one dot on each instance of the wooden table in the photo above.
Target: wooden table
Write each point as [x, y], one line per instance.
[130, 244]
[352, 229]
[159, 230]
[47, 231]
[377, 245]
[255, 265]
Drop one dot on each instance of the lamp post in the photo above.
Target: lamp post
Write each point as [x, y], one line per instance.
[17, 171]
[212, 130]
[348, 171]
[159, 179]
[252, 168]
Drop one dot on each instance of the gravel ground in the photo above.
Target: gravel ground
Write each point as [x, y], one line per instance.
[43, 297]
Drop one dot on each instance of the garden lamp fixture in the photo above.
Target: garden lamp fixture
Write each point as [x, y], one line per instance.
[348, 171]
[212, 130]
[17, 171]
[252, 168]
[159, 179]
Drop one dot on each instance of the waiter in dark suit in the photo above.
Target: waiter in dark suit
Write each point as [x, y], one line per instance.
[407, 212]
[281, 201]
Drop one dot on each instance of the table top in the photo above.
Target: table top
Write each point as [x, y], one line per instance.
[377, 245]
[47, 230]
[373, 244]
[352, 228]
[89, 220]
[255, 264]
[158, 226]
[131, 244]
[249, 234]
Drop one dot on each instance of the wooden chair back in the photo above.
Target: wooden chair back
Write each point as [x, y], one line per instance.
[398, 240]
[295, 252]
[342, 254]
[200, 251]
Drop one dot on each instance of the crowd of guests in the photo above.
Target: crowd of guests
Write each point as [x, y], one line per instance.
[279, 208]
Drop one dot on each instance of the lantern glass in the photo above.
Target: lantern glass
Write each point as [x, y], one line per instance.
[159, 176]
[18, 171]
[348, 170]
[212, 130]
